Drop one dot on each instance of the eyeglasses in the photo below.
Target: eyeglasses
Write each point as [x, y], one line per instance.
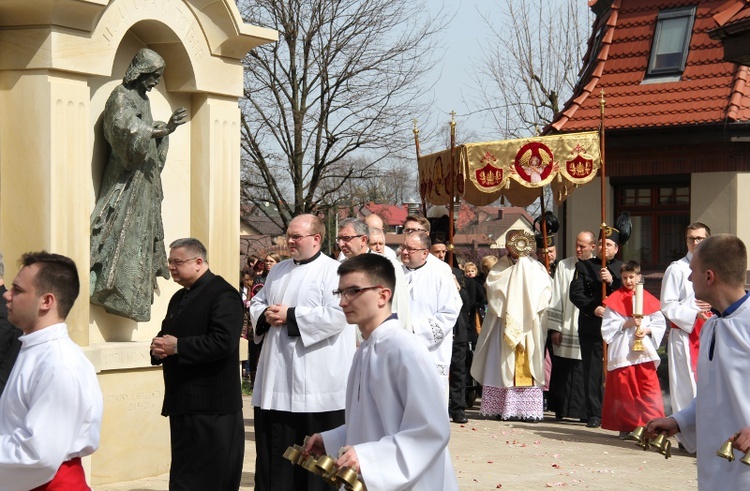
[179, 262]
[297, 238]
[353, 291]
[412, 230]
[696, 239]
[409, 250]
[347, 238]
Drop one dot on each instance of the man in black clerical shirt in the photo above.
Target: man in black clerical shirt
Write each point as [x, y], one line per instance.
[198, 346]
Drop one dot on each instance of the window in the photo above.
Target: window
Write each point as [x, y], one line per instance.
[674, 28]
[659, 213]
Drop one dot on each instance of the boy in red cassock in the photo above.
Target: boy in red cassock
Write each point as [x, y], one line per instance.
[633, 395]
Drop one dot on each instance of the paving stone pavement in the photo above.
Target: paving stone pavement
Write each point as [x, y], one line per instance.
[489, 454]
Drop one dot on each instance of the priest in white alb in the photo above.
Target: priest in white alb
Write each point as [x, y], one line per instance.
[300, 385]
[434, 301]
[397, 431]
[509, 359]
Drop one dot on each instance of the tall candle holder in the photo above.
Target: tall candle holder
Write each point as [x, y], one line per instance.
[638, 314]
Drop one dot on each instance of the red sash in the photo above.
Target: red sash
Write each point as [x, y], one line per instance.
[694, 342]
[69, 477]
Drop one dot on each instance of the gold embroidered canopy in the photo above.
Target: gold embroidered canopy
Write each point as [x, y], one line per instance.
[516, 169]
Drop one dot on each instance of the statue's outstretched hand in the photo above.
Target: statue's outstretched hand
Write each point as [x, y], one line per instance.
[179, 116]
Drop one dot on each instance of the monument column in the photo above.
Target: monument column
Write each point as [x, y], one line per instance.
[214, 193]
[45, 167]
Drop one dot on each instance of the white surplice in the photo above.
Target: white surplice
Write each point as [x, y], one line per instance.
[434, 305]
[722, 404]
[678, 305]
[517, 296]
[395, 415]
[620, 342]
[562, 315]
[50, 411]
[304, 373]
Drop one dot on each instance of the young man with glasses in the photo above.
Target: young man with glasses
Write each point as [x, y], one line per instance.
[198, 346]
[686, 315]
[308, 345]
[434, 301]
[396, 434]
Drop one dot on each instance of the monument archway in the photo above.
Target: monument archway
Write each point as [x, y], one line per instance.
[59, 61]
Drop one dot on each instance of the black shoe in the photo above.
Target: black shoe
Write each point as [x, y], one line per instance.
[458, 416]
[593, 423]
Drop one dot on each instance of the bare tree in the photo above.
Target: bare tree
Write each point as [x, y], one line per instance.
[344, 81]
[530, 64]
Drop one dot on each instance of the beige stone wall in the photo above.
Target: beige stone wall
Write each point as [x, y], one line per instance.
[716, 200]
[59, 61]
[584, 211]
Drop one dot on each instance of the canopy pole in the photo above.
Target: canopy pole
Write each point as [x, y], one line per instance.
[416, 144]
[603, 227]
[453, 173]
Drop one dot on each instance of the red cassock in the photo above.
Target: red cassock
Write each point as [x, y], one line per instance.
[633, 395]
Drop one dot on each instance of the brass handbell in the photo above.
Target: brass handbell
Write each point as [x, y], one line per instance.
[746, 459]
[294, 454]
[662, 445]
[639, 437]
[726, 452]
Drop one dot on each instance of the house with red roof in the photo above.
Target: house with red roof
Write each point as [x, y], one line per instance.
[677, 114]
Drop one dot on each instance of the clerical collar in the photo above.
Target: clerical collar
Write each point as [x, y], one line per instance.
[308, 260]
[418, 267]
[732, 308]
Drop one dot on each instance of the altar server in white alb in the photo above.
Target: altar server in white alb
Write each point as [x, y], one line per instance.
[686, 316]
[397, 430]
[51, 409]
[300, 384]
[434, 301]
[721, 407]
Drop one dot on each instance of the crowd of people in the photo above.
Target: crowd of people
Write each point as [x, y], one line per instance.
[366, 356]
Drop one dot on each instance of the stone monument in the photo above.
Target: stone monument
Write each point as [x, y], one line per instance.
[60, 61]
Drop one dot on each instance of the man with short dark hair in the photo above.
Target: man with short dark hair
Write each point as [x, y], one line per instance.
[198, 346]
[721, 407]
[308, 345]
[396, 433]
[51, 409]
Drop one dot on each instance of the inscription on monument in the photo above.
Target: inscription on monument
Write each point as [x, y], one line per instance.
[127, 11]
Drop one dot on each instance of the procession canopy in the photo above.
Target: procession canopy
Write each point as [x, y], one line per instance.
[516, 169]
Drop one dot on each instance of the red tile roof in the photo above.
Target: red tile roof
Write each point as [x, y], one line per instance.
[393, 215]
[710, 90]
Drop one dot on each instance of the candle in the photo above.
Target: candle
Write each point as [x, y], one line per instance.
[638, 310]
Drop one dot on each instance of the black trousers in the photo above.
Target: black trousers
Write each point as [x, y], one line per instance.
[457, 377]
[275, 431]
[207, 451]
[591, 354]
